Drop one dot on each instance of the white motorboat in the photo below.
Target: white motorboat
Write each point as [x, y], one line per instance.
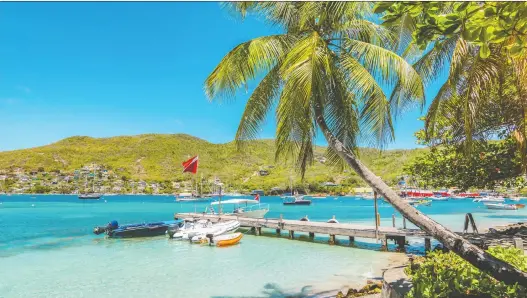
[216, 230]
[502, 206]
[189, 229]
[489, 200]
[457, 198]
[438, 198]
[241, 207]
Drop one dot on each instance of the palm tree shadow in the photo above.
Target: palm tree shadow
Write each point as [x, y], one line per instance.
[272, 290]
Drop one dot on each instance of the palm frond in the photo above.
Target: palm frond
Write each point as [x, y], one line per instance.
[244, 63]
[258, 105]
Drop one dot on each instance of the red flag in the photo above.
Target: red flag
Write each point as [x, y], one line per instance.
[191, 165]
[257, 197]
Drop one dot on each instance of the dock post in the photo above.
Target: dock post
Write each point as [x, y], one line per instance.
[518, 243]
[352, 240]
[331, 239]
[253, 230]
[384, 243]
[428, 244]
[377, 216]
[393, 220]
[278, 232]
[401, 241]
[311, 235]
[404, 222]
[291, 234]
[258, 231]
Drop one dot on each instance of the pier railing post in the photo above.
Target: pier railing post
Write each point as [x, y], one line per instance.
[377, 216]
[331, 239]
[428, 244]
[393, 220]
[404, 222]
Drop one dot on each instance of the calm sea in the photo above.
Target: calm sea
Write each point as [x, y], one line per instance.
[47, 249]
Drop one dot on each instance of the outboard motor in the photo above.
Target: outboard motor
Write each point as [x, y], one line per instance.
[211, 238]
[112, 225]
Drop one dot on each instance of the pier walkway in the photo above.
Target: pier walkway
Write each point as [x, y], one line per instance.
[314, 227]
[383, 233]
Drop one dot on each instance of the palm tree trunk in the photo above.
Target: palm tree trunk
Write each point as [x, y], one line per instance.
[500, 270]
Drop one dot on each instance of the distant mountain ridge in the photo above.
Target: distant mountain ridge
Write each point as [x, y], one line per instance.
[158, 157]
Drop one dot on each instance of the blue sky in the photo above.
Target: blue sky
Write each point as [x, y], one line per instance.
[107, 69]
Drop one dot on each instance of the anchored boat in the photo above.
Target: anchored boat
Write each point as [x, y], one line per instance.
[502, 206]
[295, 200]
[90, 196]
[241, 207]
[113, 229]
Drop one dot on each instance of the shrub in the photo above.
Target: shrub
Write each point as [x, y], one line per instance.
[448, 275]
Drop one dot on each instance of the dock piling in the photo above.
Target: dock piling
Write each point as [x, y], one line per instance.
[311, 235]
[258, 231]
[291, 234]
[393, 220]
[428, 244]
[332, 239]
[384, 244]
[404, 222]
[278, 232]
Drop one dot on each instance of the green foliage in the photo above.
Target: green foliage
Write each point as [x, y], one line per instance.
[448, 275]
[156, 157]
[490, 164]
[481, 23]
[482, 46]
[329, 66]
[40, 189]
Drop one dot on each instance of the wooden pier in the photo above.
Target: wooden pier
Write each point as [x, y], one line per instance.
[312, 227]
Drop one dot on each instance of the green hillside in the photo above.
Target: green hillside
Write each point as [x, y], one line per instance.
[158, 157]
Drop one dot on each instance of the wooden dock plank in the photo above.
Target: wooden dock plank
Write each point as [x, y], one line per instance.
[341, 229]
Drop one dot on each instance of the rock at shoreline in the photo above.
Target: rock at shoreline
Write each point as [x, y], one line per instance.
[373, 287]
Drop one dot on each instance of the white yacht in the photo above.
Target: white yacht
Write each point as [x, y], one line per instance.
[240, 207]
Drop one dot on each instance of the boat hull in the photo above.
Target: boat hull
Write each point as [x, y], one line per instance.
[260, 213]
[228, 240]
[305, 202]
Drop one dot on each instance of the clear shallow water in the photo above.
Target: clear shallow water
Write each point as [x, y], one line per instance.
[48, 249]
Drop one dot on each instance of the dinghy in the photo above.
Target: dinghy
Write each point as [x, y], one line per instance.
[222, 240]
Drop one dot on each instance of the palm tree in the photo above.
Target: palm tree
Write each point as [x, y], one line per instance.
[327, 72]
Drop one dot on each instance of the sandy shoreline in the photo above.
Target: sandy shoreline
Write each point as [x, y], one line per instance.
[334, 284]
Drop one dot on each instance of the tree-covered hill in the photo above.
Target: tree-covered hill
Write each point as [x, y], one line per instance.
[158, 157]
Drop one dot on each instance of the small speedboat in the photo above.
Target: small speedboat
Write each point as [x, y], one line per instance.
[421, 202]
[190, 229]
[113, 229]
[90, 196]
[489, 200]
[216, 230]
[295, 200]
[222, 240]
[502, 206]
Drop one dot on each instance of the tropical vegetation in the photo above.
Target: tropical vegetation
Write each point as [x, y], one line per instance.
[447, 275]
[490, 165]
[156, 158]
[328, 71]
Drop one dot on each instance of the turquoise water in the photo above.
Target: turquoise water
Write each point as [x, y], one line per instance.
[47, 249]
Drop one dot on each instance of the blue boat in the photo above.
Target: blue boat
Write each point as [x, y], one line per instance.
[113, 229]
